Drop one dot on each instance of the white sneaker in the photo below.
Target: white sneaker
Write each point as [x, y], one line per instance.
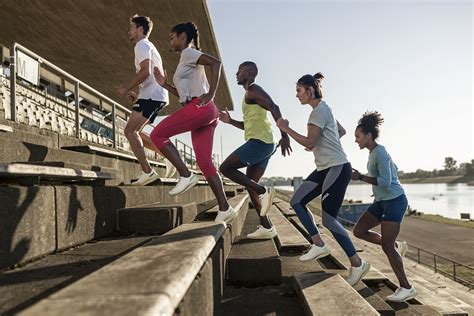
[225, 216]
[170, 169]
[146, 178]
[401, 247]
[263, 233]
[357, 273]
[316, 252]
[266, 200]
[184, 184]
[402, 294]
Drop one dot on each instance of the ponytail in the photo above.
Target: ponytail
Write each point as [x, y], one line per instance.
[191, 30]
[313, 81]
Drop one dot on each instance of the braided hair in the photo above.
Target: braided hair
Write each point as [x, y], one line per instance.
[313, 81]
[191, 30]
[370, 122]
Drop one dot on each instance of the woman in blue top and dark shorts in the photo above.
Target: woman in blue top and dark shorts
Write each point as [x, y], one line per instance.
[390, 202]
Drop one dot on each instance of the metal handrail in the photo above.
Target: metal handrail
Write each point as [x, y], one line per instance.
[77, 85]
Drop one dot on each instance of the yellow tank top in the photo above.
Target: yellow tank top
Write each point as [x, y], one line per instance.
[256, 123]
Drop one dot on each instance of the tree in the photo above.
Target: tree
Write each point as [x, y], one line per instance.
[450, 164]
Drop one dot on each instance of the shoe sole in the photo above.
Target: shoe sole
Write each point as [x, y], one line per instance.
[400, 301]
[229, 218]
[317, 257]
[265, 209]
[148, 181]
[262, 237]
[363, 274]
[186, 189]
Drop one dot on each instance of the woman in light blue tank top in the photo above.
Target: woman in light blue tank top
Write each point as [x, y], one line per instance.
[389, 206]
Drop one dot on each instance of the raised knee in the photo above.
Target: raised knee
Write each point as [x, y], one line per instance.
[223, 169]
[358, 232]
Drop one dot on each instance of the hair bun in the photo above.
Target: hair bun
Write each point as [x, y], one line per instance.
[318, 77]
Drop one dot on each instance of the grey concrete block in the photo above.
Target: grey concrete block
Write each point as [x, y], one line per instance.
[85, 213]
[288, 236]
[253, 261]
[330, 294]
[153, 278]
[157, 218]
[284, 207]
[27, 223]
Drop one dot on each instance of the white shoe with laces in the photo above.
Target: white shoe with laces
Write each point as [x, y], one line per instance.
[263, 233]
[316, 252]
[402, 294]
[147, 178]
[184, 184]
[266, 200]
[225, 216]
[357, 273]
[401, 247]
[170, 169]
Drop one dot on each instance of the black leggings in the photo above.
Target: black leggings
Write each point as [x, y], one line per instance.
[332, 184]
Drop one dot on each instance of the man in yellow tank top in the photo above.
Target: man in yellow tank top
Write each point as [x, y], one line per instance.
[258, 148]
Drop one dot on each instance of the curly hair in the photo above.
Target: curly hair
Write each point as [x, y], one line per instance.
[370, 122]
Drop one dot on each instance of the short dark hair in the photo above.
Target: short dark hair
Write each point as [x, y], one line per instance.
[144, 22]
[252, 66]
[191, 30]
[313, 81]
[370, 122]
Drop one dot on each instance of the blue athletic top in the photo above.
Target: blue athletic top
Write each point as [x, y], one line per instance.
[382, 167]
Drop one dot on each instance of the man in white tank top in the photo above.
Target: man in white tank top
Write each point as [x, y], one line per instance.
[150, 99]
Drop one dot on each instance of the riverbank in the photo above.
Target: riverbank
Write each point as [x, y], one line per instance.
[444, 220]
[448, 179]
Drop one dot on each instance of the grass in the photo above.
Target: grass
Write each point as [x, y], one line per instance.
[444, 220]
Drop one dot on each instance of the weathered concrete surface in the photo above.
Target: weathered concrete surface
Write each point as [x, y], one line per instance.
[156, 218]
[329, 294]
[84, 213]
[22, 287]
[284, 207]
[253, 261]
[288, 236]
[27, 223]
[154, 277]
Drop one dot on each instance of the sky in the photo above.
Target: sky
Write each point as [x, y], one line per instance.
[410, 60]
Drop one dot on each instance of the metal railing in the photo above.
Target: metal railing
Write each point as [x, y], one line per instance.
[186, 152]
[78, 84]
[457, 271]
[450, 269]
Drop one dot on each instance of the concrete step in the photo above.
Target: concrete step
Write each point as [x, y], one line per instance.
[378, 303]
[151, 279]
[284, 207]
[411, 307]
[329, 294]
[181, 270]
[25, 286]
[288, 236]
[156, 218]
[253, 262]
[37, 220]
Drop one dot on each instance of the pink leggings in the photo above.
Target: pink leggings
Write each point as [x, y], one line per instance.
[201, 121]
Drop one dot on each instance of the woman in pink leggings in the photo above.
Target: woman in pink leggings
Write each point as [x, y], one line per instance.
[199, 114]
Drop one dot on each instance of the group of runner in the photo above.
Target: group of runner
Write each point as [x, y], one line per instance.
[199, 115]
